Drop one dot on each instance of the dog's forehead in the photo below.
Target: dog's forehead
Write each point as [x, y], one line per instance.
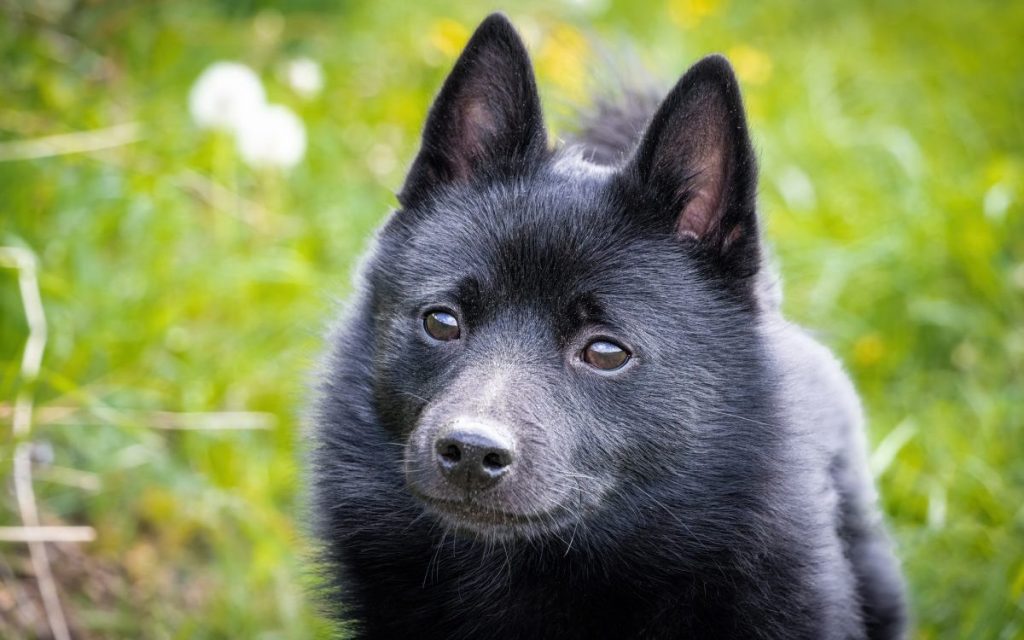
[553, 240]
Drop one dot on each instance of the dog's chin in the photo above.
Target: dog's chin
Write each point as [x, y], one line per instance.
[492, 522]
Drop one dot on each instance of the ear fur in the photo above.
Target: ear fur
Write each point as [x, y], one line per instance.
[697, 164]
[486, 122]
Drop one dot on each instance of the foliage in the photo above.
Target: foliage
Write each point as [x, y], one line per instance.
[177, 279]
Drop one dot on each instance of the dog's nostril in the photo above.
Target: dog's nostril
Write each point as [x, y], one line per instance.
[495, 461]
[451, 453]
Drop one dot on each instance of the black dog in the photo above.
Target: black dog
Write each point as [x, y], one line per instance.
[564, 403]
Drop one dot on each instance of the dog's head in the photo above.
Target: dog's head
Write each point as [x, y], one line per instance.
[552, 336]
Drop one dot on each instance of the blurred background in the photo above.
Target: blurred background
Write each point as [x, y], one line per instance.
[191, 226]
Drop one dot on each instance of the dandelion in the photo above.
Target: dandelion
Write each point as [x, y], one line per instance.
[272, 136]
[997, 200]
[752, 65]
[448, 36]
[562, 57]
[589, 6]
[305, 76]
[229, 96]
[224, 95]
[796, 188]
[690, 13]
[868, 350]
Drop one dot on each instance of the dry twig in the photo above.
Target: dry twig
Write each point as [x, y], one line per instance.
[24, 261]
[68, 143]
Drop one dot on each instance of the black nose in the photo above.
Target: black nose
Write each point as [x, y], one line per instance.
[473, 460]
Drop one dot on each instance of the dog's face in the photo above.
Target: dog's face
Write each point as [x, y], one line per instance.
[553, 336]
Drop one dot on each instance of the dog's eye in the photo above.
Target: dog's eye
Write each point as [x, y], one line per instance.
[441, 325]
[605, 355]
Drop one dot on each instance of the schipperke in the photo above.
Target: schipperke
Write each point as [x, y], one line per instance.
[563, 402]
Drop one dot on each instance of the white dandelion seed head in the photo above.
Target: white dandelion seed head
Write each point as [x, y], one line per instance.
[272, 136]
[224, 94]
[305, 76]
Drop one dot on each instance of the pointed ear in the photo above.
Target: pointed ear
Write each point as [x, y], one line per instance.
[696, 166]
[486, 122]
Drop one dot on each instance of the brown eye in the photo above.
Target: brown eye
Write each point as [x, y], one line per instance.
[441, 325]
[605, 355]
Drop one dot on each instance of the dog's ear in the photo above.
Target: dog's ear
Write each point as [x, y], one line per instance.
[696, 168]
[486, 122]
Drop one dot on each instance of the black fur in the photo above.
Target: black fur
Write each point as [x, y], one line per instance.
[713, 487]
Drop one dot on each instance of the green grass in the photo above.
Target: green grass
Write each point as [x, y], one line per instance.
[892, 145]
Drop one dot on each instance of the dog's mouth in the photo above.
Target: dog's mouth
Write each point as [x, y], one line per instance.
[474, 517]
